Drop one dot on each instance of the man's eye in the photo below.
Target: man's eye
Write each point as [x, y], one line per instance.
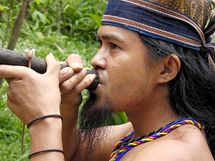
[113, 46]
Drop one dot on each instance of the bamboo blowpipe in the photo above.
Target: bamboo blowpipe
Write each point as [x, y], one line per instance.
[8, 57]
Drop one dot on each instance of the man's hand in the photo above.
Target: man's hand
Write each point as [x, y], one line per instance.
[73, 80]
[30, 94]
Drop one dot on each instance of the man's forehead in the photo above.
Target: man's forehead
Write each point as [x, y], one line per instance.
[113, 32]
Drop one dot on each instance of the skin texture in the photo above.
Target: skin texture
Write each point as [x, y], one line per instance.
[125, 67]
[129, 78]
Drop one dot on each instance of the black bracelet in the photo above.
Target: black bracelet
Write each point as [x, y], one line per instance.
[43, 117]
[45, 151]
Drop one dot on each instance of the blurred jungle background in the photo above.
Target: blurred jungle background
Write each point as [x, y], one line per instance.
[61, 27]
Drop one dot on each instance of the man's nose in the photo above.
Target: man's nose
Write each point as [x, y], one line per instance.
[99, 60]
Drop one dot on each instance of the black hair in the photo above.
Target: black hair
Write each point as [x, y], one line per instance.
[192, 91]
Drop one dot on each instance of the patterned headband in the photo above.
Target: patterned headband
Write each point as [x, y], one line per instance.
[156, 21]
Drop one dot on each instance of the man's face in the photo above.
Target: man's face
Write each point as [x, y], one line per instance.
[128, 79]
[127, 73]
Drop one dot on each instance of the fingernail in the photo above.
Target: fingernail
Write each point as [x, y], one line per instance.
[77, 65]
[92, 76]
[70, 70]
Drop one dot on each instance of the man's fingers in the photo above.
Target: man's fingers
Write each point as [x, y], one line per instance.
[10, 72]
[65, 74]
[85, 82]
[52, 65]
[75, 62]
[73, 81]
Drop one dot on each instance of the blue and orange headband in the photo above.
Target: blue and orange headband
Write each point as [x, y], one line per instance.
[156, 21]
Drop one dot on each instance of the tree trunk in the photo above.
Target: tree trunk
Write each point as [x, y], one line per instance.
[18, 24]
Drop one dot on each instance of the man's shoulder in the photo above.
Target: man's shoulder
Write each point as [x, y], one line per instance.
[187, 143]
[166, 150]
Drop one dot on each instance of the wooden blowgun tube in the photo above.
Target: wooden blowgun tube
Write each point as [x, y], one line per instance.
[8, 57]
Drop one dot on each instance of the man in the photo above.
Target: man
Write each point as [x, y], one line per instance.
[154, 62]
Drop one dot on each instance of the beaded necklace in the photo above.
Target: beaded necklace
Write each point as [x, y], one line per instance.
[124, 145]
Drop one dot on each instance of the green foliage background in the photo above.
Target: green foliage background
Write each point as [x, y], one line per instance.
[58, 26]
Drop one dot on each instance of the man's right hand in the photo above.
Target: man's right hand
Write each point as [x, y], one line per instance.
[73, 80]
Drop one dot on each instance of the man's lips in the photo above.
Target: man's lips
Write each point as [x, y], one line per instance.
[101, 77]
[102, 81]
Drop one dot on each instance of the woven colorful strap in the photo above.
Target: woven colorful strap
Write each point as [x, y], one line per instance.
[154, 20]
[120, 150]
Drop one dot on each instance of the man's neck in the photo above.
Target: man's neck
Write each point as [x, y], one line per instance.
[149, 118]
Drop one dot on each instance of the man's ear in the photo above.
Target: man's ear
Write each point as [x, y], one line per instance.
[170, 67]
